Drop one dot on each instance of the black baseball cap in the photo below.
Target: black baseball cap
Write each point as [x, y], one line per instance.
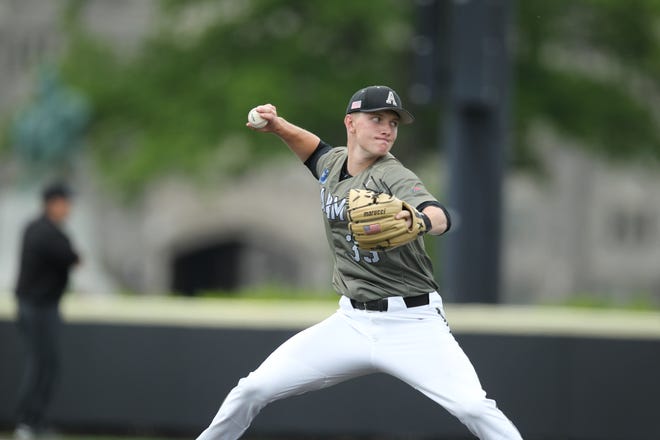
[376, 98]
[56, 190]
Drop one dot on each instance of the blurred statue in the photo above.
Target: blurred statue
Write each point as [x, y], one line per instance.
[49, 131]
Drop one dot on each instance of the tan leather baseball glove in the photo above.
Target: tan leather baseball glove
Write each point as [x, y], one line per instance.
[372, 223]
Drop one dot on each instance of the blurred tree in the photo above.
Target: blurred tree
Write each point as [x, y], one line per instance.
[180, 105]
[590, 68]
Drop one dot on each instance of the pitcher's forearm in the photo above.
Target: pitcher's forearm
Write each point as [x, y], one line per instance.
[300, 141]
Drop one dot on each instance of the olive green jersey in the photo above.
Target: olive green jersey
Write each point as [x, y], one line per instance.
[367, 275]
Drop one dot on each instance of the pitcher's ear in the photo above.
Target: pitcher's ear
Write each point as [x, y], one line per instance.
[349, 122]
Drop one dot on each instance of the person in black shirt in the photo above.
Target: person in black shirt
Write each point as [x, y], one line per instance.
[46, 259]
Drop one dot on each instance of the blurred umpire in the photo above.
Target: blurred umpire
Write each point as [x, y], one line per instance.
[46, 258]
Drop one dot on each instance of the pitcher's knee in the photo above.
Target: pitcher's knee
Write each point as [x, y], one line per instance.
[471, 409]
[251, 389]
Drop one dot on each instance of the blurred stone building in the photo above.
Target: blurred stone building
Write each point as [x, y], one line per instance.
[586, 226]
[589, 227]
[178, 237]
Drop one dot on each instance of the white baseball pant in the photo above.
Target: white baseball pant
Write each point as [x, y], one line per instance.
[411, 344]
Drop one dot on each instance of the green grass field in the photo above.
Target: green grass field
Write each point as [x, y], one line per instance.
[295, 313]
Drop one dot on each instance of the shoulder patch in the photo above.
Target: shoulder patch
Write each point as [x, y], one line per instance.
[324, 175]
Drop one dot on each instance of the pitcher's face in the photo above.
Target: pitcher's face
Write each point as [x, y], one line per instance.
[374, 132]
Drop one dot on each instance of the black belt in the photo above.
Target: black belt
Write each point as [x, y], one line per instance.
[380, 305]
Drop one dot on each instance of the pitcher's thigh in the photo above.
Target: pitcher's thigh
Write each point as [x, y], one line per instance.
[429, 359]
[322, 355]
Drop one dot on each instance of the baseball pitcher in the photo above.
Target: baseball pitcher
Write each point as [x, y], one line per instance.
[390, 317]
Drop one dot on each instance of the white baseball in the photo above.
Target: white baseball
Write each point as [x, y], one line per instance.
[255, 119]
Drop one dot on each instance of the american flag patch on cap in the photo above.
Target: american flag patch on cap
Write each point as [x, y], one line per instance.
[372, 229]
[356, 104]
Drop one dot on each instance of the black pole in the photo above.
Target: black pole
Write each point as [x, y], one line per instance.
[477, 120]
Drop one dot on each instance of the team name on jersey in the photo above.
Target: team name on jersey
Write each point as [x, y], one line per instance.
[334, 207]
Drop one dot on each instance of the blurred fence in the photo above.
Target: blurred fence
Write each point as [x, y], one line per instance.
[120, 375]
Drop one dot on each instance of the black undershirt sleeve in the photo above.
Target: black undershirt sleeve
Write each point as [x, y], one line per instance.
[312, 160]
[423, 205]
